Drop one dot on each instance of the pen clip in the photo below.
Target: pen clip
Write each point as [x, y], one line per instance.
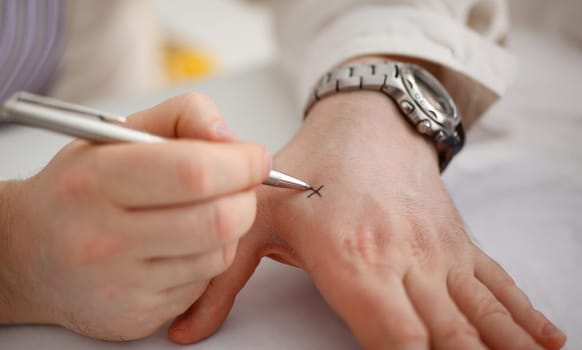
[47, 102]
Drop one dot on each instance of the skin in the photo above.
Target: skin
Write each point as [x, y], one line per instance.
[127, 236]
[112, 241]
[385, 244]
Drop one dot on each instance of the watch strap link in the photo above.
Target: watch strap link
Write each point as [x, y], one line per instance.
[373, 76]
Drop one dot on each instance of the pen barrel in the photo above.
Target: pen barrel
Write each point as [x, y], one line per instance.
[279, 179]
[65, 122]
[86, 123]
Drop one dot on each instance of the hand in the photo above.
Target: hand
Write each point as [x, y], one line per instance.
[111, 241]
[384, 245]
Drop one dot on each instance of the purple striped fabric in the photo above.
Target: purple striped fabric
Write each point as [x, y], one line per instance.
[30, 35]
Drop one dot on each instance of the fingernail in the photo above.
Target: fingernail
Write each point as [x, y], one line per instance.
[551, 330]
[224, 133]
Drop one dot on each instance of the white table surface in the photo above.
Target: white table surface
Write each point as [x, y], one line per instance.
[518, 185]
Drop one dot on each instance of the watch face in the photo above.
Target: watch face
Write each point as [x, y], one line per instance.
[433, 92]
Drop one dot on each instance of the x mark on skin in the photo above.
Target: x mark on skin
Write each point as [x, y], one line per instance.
[315, 191]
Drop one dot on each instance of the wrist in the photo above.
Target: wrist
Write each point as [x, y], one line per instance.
[7, 292]
[371, 117]
[17, 306]
[358, 139]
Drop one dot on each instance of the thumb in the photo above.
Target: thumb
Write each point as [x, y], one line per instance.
[208, 313]
[186, 116]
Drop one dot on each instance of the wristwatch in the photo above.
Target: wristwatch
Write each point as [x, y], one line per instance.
[421, 98]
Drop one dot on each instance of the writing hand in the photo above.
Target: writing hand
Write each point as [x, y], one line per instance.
[113, 240]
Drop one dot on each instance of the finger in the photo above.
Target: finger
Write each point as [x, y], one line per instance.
[506, 291]
[377, 310]
[186, 116]
[148, 175]
[448, 327]
[205, 316]
[172, 273]
[181, 231]
[495, 325]
[177, 300]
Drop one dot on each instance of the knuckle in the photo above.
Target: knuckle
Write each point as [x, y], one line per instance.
[114, 292]
[529, 345]
[215, 264]
[194, 103]
[369, 247]
[225, 220]
[93, 249]
[194, 176]
[138, 319]
[144, 321]
[526, 343]
[411, 333]
[502, 278]
[77, 184]
[194, 98]
[246, 209]
[424, 244]
[228, 255]
[537, 320]
[490, 307]
[254, 161]
[460, 281]
[456, 329]
[506, 286]
[369, 244]
[183, 296]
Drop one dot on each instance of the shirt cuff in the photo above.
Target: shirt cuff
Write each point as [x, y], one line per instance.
[476, 71]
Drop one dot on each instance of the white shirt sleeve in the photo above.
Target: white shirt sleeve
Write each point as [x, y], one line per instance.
[462, 36]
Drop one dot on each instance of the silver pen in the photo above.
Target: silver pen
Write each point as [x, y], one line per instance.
[93, 125]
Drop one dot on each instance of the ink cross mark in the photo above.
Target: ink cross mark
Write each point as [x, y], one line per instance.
[315, 191]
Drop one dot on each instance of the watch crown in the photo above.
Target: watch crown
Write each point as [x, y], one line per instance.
[406, 107]
[424, 126]
[440, 136]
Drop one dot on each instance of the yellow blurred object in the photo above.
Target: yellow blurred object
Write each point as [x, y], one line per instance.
[186, 63]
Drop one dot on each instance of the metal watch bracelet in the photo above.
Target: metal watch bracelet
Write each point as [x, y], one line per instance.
[418, 95]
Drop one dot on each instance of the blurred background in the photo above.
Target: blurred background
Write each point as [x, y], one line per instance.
[206, 37]
[226, 35]
[119, 49]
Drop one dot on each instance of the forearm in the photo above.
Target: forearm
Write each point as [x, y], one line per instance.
[369, 117]
[6, 221]
[15, 305]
